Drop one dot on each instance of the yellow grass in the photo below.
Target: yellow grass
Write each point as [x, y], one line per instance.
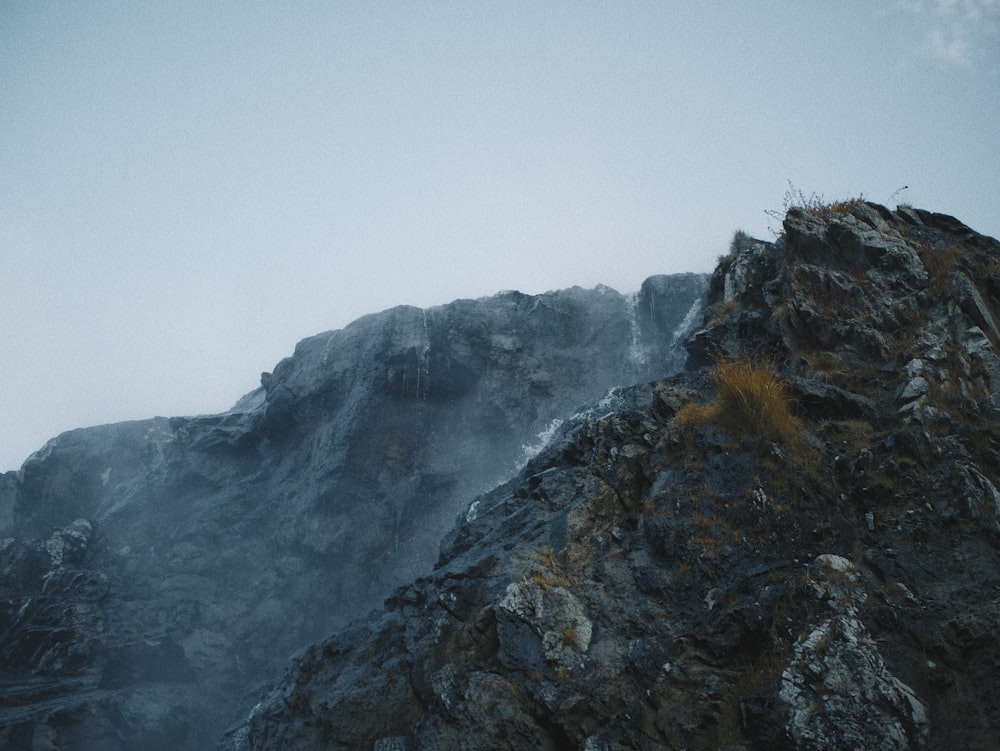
[750, 401]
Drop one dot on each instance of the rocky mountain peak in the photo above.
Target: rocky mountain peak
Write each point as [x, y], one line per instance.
[155, 572]
[791, 545]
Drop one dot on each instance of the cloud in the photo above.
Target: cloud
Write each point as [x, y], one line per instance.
[961, 33]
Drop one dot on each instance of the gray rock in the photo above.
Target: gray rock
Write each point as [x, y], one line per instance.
[837, 688]
[974, 306]
[913, 389]
[640, 583]
[840, 694]
[823, 243]
[627, 574]
[192, 556]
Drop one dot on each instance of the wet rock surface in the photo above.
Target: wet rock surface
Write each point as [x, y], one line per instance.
[154, 573]
[659, 579]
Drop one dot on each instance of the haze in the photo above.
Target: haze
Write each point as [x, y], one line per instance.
[187, 189]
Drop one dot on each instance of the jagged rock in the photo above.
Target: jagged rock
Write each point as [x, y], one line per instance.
[192, 556]
[979, 347]
[840, 695]
[912, 393]
[834, 592]
[549, 610]
[654, 575]
[49, 608]
[974, 306]
[838, 691]
[817, 241]
[825, 398]
[668, 307]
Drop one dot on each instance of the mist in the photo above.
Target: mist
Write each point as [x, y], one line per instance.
[184, 560]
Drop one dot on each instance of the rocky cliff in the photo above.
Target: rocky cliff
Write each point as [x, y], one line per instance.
[152, 573]
[792, 545]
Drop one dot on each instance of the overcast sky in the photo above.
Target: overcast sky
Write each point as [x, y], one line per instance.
[188, 189]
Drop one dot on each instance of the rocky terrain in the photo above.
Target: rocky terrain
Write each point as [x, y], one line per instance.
[153, 574]
[791, 545]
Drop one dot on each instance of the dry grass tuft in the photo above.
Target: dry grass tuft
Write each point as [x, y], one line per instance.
[941, 264]
[840, 208]
[548, 580]
[551, 574]
[750, 400]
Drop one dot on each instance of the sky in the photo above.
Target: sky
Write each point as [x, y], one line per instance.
[187, 189]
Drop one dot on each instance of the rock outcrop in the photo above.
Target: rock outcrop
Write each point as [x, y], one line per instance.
[152, 573]
[814, 567]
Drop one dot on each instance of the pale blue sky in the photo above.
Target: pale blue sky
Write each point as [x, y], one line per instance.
[189, 188]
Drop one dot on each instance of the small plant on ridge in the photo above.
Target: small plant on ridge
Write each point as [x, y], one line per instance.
[750, 400]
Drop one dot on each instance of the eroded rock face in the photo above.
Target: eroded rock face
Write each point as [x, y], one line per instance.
[837, 689]
[155, 572]
[654, 580]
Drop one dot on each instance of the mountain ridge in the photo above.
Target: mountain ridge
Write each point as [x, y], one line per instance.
[155, 570]
[791, 543]
[663, 575]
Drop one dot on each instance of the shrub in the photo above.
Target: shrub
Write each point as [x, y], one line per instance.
[794, 197]
[814, 203]
[741, 241]
[750, 401]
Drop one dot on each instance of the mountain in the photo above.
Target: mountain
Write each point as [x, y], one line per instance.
[791, 545]
[155, 573]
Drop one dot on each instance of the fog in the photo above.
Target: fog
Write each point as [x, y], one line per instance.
[196, 555]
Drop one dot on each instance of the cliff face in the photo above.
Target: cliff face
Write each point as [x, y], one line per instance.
[793, 545]
[154, 572]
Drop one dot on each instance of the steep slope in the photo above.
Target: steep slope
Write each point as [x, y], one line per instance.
[792, 546]
[153, 572]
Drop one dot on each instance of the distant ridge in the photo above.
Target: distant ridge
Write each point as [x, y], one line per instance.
[156, 571]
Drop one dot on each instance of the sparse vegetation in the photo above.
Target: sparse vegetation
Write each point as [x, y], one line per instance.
[570, 636]
[848, 434]
[750, 400]
[740, 242]
[794, 197]
[551, 575]
[940, 264]
[547, 557]
[719, 312]
[814, 203]
[548, 580]
[842, 208]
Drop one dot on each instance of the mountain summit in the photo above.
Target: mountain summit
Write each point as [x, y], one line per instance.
[511, 523]
[791, 545]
